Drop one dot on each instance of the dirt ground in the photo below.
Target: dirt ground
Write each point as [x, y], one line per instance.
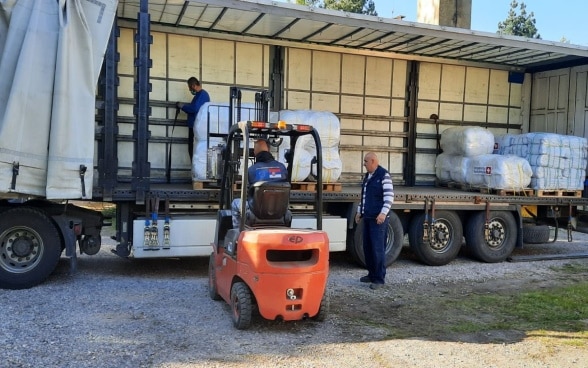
[427, 310]
[117, 312]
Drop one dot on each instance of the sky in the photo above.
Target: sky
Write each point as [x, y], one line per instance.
[554, 19]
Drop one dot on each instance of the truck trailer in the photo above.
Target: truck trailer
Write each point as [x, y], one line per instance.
[395, 86]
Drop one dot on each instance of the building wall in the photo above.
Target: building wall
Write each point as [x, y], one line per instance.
[451, 13]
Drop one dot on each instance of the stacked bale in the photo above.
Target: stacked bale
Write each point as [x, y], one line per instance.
[557, 161]
[467, 158]
[216, 117]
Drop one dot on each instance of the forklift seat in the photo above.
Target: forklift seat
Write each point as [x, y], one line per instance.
[269, 204]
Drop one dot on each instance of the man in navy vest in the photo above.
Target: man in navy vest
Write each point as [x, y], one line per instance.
[377, 195]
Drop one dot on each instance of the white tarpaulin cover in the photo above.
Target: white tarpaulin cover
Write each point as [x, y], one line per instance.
[51, 57]
[26, 90]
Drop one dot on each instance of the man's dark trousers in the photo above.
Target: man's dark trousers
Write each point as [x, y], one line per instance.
[374, 248]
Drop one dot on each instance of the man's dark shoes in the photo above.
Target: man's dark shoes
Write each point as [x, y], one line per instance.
[376, 286]
[365, 279]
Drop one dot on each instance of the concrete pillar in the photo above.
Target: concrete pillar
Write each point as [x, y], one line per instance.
[451, 13]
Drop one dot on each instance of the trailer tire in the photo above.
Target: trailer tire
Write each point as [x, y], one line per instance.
[394, 241]
[503, 231]
[448, 234]
[212, 288]
[536, 234]
[30, 247]
[241, 305]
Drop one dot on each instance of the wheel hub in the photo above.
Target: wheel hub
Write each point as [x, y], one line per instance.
[440, 236]
[22, 246]
[19, 250]
[496, 234]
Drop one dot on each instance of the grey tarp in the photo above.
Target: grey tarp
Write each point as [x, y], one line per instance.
[84, 30]
[50, 63]
[27, 68]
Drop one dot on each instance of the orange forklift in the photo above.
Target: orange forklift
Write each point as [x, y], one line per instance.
[265, 264]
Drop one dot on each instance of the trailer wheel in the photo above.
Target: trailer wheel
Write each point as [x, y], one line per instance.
[394, 241]
[30, 247]
[212, 289]
[324, 308]
[445, 242]
[536, 234]
[241, 305]
[502, 236]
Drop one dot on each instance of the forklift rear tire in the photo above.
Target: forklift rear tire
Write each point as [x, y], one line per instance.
[212, 289]
[323, 312]
[241, 305]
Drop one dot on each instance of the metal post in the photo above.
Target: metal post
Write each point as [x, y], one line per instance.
[107, 149]
[142, 111]
[410, 167]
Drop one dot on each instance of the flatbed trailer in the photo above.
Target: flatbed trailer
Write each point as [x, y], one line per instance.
[384, 108]
[413, 206]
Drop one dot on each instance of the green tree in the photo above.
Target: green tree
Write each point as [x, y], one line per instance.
[353, 6]
[521, 24]
[307, 2]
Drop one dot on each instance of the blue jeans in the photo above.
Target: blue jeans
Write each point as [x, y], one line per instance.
[374, 248]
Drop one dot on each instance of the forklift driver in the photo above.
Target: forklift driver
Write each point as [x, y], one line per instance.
[265, 168]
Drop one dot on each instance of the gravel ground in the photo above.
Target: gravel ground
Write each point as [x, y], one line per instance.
[156, 313]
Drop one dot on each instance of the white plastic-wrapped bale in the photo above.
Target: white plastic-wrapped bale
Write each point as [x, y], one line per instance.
[332, 165]
[328, 128]
[216, 116]
[498, 172]
[213, 116]
[200, 157]
[451, 167]
[557, 161]
[467, 141]
[502, 143]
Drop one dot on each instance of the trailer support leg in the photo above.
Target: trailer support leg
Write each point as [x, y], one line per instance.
[426, 222]
[432, 222]
[487, 222]
[570, 222]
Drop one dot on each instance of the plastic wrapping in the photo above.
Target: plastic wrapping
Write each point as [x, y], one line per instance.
[557, 161]
[219, 123]
[498, 172]
[451, 167]
[218, 114]
[467, 141]
[328, 128]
